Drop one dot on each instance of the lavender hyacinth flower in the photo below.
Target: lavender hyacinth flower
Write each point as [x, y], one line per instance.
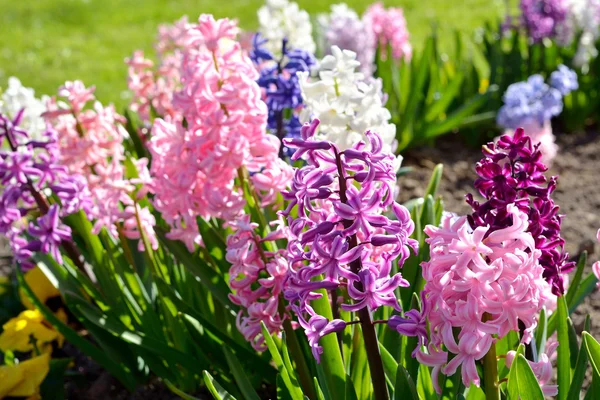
[511, 173]
[27, 169]
[534, 100]
[343, 28]
[564, 80]
[544, 18]
[280, 85]
[341, 240]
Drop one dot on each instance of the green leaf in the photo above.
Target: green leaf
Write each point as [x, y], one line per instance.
[434, 181]
[580, 368]
[126, 378]
[53, 386]
[574, 283]
[138, 339]
[390, 365]
[240, 376]
[541, 332]
[564, 352]
[593, 349]
[447, 96]
[179, 392]
[455, 119]
[522, 383]
[331, 360]
[215, 389]
[425, 384]
[208, 277]
[404, 387]
[293, 389]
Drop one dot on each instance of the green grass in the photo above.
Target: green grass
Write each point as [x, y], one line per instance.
[45, 42]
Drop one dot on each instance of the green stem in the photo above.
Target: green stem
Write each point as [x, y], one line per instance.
[490, 370]
[302, 370]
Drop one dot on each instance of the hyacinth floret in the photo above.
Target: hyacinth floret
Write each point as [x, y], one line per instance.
[341, 239]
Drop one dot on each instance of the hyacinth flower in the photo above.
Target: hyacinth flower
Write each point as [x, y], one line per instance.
[390, 29]
[343, 28]
[281, 90]
[153, 84]
[223, 138]
[284, 20]
[29, 169]
[491, 272]
[544, 18]
[340, 242]
[91, 145]
[532, 104]
[347, 104]
[511, 173]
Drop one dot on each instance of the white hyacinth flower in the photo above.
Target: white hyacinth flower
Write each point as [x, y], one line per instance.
[584, 17]
[17, 97]
[281, 19]
[346, 104]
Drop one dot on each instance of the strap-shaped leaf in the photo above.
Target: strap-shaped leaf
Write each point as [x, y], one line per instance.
[564, 351]
[404, 387]
[291, 385]
[522, 383]
[215, 389]
[86, 347]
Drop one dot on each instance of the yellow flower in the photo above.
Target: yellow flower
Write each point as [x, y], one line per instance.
[40, 285]
[483, 85]
[16, 332]
[24, 379]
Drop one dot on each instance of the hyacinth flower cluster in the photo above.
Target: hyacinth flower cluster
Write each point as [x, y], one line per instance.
[152, 86]
[257, 277]
[511, 173]
[533, 103]
[281, 89]
[283, 20]
[544, 18]
[29, 170]
[564, 21]
[340, 241]
[491, 272]
[91, 145]
[345, 102]
[343, 28]
[390, 29]
[222, 135]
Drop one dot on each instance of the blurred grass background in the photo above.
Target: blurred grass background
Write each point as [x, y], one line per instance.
[45, 42]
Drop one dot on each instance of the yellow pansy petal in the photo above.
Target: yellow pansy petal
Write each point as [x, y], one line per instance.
[10, 377]
[16, 332]
[40, 285]
[35, 371]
